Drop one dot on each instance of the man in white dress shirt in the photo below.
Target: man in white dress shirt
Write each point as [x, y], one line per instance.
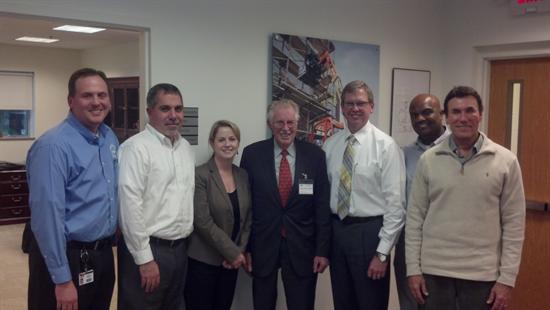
[367, 175]
[156, 207]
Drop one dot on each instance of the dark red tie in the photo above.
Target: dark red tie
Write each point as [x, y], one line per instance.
[285, 179]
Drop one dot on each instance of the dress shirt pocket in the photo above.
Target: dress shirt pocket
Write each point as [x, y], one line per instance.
[366, 178]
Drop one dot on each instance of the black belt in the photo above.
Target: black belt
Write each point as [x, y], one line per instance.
[91, 245]
[356, 219]
[164, 242]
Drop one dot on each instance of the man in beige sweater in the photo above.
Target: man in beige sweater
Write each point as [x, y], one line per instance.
[465, 216]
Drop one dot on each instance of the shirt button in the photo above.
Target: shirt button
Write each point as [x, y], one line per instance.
[108, 181]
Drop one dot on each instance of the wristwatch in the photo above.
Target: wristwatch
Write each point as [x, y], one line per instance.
[382, 257]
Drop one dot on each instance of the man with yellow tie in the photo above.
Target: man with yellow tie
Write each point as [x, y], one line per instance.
[367, 176]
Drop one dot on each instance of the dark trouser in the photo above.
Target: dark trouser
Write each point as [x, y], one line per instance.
[172, 263]
[406, 299]
[299, 290]
[353, 247]
[451, 293]
[93, 296]
[209, 287]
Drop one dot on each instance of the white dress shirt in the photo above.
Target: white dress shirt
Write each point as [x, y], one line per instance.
[156, 186]
[378, 180]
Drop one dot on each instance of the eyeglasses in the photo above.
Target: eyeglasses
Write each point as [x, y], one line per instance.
[358, 105]
[281, 124]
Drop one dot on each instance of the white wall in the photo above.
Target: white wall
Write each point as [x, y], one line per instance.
[217, 51]
[477, 31]
[119, 60]
[51, 68]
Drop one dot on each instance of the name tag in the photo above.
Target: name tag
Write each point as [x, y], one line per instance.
[305, 187]
[86, 277]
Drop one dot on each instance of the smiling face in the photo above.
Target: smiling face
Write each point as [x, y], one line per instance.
[357, 109]
[283, 125]
[166, 115]
[426, 118]
[463, 117]
[90, 103]
[225, 144]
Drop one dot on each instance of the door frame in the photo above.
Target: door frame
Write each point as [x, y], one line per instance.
[483, 55]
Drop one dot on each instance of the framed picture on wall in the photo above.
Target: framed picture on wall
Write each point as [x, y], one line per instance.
[406, 83]
[312, 72]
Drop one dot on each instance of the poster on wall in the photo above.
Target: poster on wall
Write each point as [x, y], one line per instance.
[312, 72]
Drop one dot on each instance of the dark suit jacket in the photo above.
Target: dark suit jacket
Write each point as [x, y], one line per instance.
[213, 219]
[306, 218]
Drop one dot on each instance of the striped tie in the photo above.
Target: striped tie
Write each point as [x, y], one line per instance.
[344, 189]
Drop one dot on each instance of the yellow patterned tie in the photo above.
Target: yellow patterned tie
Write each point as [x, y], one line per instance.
[344, 189]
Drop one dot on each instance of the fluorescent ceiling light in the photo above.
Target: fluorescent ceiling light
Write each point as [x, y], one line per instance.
[83, 29]
[37, 40]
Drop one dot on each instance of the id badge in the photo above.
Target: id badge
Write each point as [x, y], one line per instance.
[86, 277]
[305, 187]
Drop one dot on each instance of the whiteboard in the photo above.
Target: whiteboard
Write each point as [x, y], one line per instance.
[406, 83]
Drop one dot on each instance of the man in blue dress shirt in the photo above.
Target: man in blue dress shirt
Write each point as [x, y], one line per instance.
[72, 177]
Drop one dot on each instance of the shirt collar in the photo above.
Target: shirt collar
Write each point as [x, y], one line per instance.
[444, 135]
[161, 137]
[277, 149]
[359, 134]
[95, 138]
[475, 148]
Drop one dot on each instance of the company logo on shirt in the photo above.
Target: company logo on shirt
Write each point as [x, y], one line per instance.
[112, 147]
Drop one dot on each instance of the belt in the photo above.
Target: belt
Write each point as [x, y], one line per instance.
[164, 242]
[91, 245]
[348, 220]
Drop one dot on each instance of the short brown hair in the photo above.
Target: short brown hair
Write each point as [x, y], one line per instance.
[82, 73]
[355, 85]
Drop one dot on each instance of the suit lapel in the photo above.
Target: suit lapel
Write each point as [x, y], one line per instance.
[218, 181]
[298, 164]
[240, 182]
[270, 170]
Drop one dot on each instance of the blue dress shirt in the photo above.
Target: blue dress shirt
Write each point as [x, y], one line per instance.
[72, 175]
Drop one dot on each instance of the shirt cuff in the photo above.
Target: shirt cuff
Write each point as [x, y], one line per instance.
[384, 247]
[60, 274]
[507, 279]
[413, 270]
[143, 256]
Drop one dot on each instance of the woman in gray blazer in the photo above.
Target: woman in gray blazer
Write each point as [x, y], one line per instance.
[222, 223]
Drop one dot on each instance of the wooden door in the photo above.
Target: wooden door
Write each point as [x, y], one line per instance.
[533, 149]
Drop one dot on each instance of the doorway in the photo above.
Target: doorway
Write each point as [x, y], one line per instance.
[519, 118]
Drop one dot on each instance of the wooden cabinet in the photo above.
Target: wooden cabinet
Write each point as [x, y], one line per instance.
[124, 115]
[14, 195]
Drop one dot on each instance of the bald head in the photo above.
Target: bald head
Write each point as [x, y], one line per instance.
[426, 117]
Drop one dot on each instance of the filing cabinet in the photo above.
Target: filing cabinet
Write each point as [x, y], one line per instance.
[14, 195]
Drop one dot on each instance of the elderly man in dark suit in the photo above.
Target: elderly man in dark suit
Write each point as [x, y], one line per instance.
[290, 212]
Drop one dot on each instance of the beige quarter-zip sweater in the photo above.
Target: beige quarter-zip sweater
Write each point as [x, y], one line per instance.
[466, 221]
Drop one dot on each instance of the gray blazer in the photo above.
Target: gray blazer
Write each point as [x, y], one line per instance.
[211, 241]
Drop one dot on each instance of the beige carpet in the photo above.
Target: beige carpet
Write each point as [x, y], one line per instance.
[14, 276]
[14, 270]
